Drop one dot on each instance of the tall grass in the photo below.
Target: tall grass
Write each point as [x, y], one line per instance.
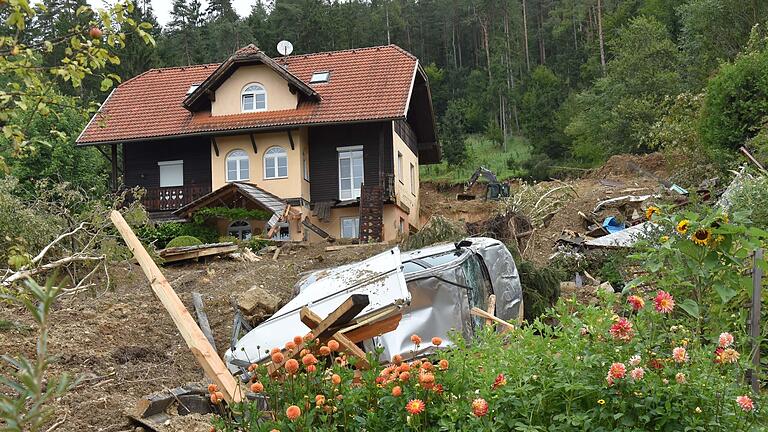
[481, 152]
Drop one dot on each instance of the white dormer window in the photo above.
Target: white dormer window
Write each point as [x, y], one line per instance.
[254, 98]
[192, 88]
[320, 77]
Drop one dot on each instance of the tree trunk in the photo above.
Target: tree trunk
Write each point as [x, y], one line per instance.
[525, 38]
[600, 34]
[542, 46]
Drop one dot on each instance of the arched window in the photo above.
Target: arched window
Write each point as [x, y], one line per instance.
[254, 98]
[240, 230]
[237, 166]
[275, 163]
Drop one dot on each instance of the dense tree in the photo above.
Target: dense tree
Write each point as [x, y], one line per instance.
[736, 103]
[543, 96]
[620, 108]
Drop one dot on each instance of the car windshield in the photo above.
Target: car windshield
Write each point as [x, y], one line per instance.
[418, 264]
[480, 286]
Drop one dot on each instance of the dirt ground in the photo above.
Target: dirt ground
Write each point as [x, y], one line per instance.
[124, 344]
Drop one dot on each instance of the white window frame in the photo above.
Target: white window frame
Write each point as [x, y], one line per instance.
[320, 77]
[350, 152]
[274, 160]
[400, 166]
[356, 227]
[253, 93]
[239, 159]
[167, 165]
[240, 229]
[413, 179]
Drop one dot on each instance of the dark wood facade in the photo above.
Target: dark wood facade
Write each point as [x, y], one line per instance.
[141, 169]
[376, 139]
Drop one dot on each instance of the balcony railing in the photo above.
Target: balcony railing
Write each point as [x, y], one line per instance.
[172, 198]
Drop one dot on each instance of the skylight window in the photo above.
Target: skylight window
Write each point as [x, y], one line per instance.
[192, 88]
[320, 77]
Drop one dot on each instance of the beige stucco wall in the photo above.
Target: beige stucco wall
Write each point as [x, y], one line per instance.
[333, 226]
[293, 186]
[403, 192]
[391, 231]
[279, 96]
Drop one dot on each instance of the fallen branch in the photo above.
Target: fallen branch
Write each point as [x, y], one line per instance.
[23, 274]
[45, 250]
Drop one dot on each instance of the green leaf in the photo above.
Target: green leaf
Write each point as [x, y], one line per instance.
[106, 84]
[726, 293]
[691, 307]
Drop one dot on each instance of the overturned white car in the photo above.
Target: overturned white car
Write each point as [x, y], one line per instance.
[435, 288]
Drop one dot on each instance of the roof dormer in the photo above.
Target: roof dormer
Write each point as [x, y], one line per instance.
[249, 81]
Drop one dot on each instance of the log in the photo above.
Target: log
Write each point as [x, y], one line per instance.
[202, 318]
[206, 356]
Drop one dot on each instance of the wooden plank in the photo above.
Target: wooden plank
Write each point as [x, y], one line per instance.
[483, 314]
[206, 356]
[342, 315]
[374, 329]
[198, 253]
[202, 318]
[351, 246]
[754, 320]
[314, 322]
[491, 309]
[317, 230]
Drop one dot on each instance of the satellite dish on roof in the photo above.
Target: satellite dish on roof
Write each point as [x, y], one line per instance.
[284, 47]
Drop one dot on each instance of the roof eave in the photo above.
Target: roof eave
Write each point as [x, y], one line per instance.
[236, 131]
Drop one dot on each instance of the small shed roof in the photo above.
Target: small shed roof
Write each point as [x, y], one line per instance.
[229, 193]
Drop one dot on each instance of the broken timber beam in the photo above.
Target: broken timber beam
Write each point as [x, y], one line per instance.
[483, 314]
[344, 342]
[322, 329]
[196, 341]
[202, 318]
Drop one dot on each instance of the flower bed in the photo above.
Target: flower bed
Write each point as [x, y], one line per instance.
[578, 368]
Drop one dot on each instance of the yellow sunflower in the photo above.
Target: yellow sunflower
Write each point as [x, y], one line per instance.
[682, 226]
[650, 211]
[701, 237]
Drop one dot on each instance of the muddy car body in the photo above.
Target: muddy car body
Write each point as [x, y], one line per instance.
[436, 287]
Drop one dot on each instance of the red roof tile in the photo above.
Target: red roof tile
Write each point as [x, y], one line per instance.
[365, 84]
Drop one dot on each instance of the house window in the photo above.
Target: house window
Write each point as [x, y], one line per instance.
[254, 98]
[305, 166]
[399, 165]
[237, 166]
[350, 172]
[413, 179]
[275, 163]
[171, 173]
[350, 227]
[401, 226]
[240, 230]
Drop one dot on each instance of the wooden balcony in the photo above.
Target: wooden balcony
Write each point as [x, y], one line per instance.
[172, 198]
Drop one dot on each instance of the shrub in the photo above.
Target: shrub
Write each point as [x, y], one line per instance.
[593, 370]
[438, 229]
[749, 198]
[182, 241]
[736, 100]
[162, 232]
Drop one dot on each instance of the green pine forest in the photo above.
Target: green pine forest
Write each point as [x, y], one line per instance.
[526, 87]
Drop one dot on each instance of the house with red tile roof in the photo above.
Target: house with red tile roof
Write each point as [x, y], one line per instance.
[329, 144]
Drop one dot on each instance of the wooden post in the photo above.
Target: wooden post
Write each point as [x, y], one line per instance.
[491, 309]
[113, 176]
[196, 341]
[754, 320]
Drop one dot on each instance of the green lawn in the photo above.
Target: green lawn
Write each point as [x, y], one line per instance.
[480, 152]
